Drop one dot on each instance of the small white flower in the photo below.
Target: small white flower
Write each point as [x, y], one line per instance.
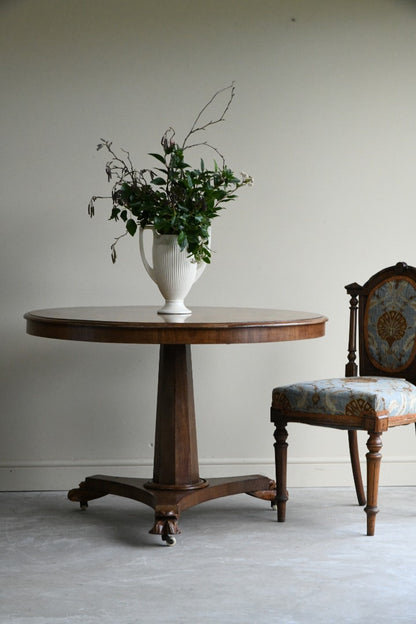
[246, 179]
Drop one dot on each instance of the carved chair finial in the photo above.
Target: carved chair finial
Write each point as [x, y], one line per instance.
[401, 267]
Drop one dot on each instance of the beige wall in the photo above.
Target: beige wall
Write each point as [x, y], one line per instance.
[324, 119]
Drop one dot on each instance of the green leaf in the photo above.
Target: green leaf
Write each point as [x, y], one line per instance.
[182, 240]
[158, 157]
[131, 227]
[159, 181]
[114, 213]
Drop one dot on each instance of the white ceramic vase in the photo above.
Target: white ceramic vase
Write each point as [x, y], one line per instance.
[173, 271]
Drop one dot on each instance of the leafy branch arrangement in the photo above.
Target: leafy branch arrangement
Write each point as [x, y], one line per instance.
[173, 198]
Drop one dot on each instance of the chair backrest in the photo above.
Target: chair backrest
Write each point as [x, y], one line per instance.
[386, 308]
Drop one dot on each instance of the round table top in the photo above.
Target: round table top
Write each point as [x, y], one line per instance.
[143, 325]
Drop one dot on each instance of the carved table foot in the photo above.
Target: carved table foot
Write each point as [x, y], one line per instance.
[268, 495]
[166, 524]
[84, 493]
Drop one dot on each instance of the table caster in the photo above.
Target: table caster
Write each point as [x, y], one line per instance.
[83, 506]
[169, 539]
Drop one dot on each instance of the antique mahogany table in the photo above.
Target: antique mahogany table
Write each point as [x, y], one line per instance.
[176, 484]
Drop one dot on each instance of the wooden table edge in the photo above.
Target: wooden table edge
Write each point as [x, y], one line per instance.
[154, 332]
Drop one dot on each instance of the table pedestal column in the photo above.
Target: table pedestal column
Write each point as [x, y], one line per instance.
[176, 453]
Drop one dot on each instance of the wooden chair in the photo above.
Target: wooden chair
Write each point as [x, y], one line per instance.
[383, 313]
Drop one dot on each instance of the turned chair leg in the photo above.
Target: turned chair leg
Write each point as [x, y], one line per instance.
[280, 449]
[374, 445]
[355, 465]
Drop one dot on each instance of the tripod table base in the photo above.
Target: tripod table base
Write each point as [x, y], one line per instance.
[168, 503]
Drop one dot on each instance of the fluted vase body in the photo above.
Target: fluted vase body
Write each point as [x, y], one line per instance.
[173, 271]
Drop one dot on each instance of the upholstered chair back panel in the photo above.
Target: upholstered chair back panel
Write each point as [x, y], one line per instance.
[387, 318]
[390, 324]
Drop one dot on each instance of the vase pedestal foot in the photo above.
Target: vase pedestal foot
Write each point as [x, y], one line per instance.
[173, 307]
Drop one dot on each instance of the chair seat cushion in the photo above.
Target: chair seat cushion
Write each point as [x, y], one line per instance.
[356, 397]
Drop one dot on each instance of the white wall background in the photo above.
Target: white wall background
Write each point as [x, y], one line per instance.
[325, 121]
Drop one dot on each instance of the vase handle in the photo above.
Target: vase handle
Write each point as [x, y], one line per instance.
[147, 266]
[200, 267]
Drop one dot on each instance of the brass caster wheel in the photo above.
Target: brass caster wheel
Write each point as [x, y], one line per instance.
[169, 539]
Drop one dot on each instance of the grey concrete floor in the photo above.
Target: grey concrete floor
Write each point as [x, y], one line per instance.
[233, 564]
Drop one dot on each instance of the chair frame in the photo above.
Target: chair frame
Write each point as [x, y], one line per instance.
[374, 426]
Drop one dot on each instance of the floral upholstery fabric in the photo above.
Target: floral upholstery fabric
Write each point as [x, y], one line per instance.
[352, 396]
[390, 324]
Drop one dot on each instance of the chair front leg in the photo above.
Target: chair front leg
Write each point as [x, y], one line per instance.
[280, 450]
[374, 445]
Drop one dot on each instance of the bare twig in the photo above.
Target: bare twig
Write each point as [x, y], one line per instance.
[196, 128]
[128, 158]
[91, 206]
[210, 146]
[117, 163]
[113, 247]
